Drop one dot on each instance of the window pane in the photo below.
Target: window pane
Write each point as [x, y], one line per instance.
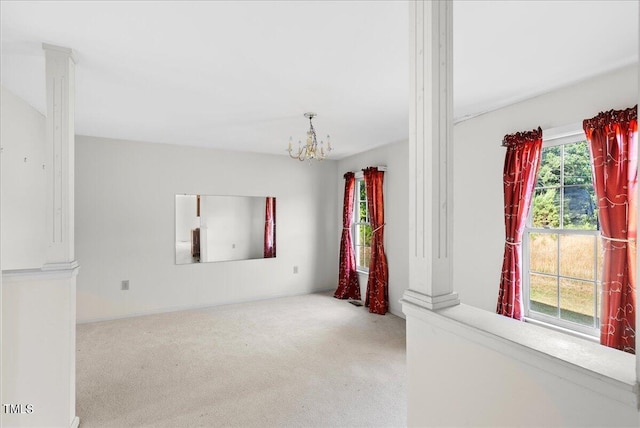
[363, 244]
[579, 208]
[362, 212]
[549, 173]
[543, 292]
[599, 278]
[577, 164]
[362, 236]
[599, 308]
[600, 260]
[546, 208]
[361, 257]
[543, 250]
[366, 235]
[577, 256]
[576, 301]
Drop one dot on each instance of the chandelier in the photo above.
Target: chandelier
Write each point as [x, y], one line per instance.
[311, 150]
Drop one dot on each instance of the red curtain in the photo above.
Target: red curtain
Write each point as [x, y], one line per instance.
[521, 164]
[613, 141]
[377, 298]
[270, 227]
[348, 284]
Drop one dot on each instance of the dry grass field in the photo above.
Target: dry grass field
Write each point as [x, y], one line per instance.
[576, 262]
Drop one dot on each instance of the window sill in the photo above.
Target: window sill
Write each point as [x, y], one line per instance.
[604, 370]
[562, 330]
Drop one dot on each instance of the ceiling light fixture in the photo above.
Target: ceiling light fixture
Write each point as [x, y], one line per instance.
[311, 150]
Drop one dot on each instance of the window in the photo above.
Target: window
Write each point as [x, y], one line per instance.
[562, 254]
[361, 227]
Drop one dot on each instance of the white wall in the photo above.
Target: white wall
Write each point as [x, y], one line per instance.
[478, 162]
[396, 200]
[125, 196]
[23, 183]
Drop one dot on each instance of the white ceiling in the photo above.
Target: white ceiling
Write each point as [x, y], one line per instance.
[240, 74]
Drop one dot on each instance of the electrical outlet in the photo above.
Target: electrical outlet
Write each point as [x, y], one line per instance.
[124, 285]
[295, 269]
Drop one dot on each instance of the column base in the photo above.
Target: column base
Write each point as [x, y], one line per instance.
[433, 303]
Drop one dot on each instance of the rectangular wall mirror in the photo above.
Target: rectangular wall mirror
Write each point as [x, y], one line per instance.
[211, 228]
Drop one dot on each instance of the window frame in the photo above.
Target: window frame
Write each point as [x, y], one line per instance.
[356, 224]
[557, 137]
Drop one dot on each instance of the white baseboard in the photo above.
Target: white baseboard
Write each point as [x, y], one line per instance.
[75, 423]
[190, 307]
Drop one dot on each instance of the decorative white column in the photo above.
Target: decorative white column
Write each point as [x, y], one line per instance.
[60, 145]
[430, 156]
[60, 261]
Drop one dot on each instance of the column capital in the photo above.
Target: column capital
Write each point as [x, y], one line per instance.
[60, 50]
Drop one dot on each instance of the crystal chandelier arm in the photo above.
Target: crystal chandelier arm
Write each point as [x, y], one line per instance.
[300, 155]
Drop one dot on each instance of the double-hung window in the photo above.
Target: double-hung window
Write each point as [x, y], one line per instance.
[361, 227]
[562, 254]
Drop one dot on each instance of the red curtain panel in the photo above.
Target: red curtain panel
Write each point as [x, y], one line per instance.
[521, 164]
[613, 142]
[377, 298]
[348, 284]
[270, 227]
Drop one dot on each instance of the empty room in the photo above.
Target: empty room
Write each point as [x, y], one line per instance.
[319, 213]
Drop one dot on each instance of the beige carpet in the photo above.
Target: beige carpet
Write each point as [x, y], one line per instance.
[304, 361]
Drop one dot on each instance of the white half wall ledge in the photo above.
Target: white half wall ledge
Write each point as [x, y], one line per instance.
[38, 353]
[47, 272]
[598, 368]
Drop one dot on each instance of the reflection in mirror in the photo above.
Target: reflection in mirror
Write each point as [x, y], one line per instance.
[220, 228]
